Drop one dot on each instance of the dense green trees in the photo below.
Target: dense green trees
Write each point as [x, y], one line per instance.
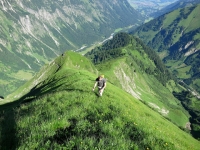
[160, 71]
[110, 49]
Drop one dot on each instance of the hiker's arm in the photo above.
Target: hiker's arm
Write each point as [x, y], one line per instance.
[94, 86]
[104, 85]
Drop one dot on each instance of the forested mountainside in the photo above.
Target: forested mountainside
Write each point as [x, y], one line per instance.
[33, 33]
[176, 5]
[176, 37]
[57, 109]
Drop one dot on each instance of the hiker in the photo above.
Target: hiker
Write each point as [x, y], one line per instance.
[101, 83]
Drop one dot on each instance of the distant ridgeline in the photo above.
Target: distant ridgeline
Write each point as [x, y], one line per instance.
[178, 4]
[176, 37]
[115, 48]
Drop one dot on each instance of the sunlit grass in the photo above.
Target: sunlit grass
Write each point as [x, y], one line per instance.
[62, 112]
[75, 119]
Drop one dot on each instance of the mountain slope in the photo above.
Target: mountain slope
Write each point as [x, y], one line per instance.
[33, 33]
[70, 60]
[176, 37]
[64, 113]
[191, 103]
[132, 66]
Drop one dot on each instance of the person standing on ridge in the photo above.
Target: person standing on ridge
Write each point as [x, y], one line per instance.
[101, 83]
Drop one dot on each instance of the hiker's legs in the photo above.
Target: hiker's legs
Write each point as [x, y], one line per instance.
[101, 92]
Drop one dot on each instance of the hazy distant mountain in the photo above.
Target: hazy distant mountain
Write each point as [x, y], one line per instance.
[174, 6]
[147, 7]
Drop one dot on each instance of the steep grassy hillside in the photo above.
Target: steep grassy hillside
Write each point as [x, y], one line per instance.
[62, 112]
[130, 65]
[46, 74]
[176, 37]
[33, 33]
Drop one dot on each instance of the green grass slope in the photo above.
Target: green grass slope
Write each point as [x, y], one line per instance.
[62, 112]
[145, 88]
[139, 71]
[175, 36]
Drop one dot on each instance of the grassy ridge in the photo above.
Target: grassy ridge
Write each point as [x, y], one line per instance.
[69, 59]
[66, 114]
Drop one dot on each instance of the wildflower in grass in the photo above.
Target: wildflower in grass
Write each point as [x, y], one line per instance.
[100, 121]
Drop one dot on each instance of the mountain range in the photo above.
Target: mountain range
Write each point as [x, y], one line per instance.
[175, 36]
[149, 7]
[176, 5]
[35, 32]
[153, 8]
